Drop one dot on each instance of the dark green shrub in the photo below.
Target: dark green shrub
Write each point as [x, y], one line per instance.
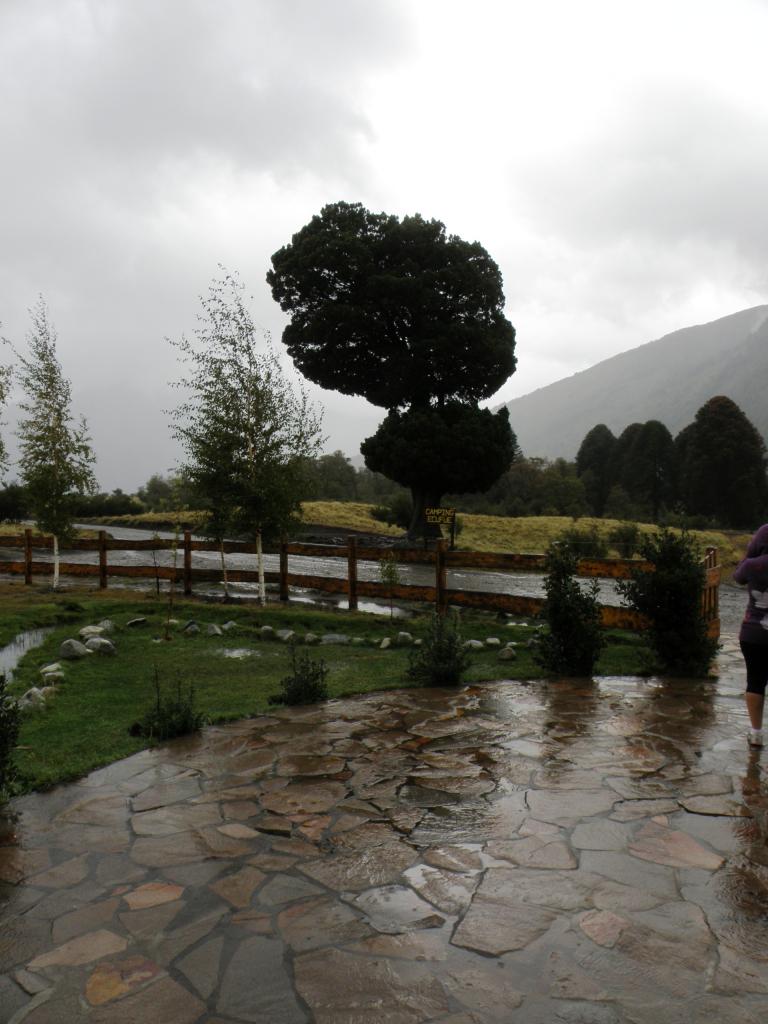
[10, 722]
[575, 637]
[625, 539]
[584, 543]
[440, 660]
[306, 684]
[398, 513]
[669, 596]
[173, 714]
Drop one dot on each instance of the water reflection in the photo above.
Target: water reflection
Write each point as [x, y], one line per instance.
[12, 653]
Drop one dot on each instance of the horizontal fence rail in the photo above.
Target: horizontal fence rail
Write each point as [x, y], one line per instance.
[438, 594]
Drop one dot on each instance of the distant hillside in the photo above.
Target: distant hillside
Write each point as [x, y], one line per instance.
[667, 380]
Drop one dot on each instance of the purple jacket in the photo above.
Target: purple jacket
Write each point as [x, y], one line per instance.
[753, 570]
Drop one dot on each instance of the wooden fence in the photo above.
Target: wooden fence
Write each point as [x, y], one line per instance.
[350, 585]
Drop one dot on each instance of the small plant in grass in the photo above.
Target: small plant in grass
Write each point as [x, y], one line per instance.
[10, 722]
[625, 538]
[173, 714]
[441, 659]
[306, 683]
[669, 596]
[585, 543]
[389, 574]
[575, 638]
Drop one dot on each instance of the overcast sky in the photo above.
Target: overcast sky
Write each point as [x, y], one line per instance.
[611, 155]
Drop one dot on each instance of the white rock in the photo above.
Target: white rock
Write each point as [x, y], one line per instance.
[492, 641]
[107, 625]
[100, 645]
[473, 645]
[55, 666]
[403, 639]
[88, 631]
[267, 633]
[385, 644]
[508, 654]
[334, 638]
[311, 638]
[71, 650]
[229, 626]
[287, 636]
[214, 630]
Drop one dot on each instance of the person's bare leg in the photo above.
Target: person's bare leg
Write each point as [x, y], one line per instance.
[755, 703]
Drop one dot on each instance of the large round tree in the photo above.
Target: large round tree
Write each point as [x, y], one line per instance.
[722, 465]
[412, 319]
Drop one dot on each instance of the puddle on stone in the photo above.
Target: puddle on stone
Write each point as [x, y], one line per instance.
[12, 653]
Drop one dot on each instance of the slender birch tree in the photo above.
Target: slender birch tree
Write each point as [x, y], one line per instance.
[244, 428]
[55, 454]
[5, 384]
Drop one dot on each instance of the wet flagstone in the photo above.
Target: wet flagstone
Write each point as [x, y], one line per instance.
[572, 852]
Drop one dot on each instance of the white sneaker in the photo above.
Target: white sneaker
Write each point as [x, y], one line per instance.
[755, 737]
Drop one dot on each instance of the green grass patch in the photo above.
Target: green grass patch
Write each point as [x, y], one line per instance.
[87, 724]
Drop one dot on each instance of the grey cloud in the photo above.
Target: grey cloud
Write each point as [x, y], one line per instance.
[672, 166]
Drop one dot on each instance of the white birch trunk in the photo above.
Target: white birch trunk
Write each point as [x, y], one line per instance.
[260, 565]
[55, 562]
[224, 569]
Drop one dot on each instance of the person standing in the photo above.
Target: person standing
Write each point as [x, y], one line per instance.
[753, 636]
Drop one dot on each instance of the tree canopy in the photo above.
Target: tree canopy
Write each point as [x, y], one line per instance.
[722, 465]
[244, 429]
[56, 459]
[410, 318]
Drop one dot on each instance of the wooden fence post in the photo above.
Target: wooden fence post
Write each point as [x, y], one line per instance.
[187, 563]
[352, 573]
[441, 580]
[102, 559]
[28, 557]
[283, 570]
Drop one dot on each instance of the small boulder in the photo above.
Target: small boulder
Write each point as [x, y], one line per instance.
[107, 625]
[213, 630]
[267, 633]
[418, 643]
[140, 620]
[508, 654]
[229, 626]
[71, 650]
[55, 666]
[403, 639]
[88, 631]
[47, 692]
[358, 641]
[287, 636]
[473, 645]
[311, 638]
[385, 644]
[53, 678]
[33, 698]
[100, 645]
[334, 638]
[191, 629]
[492, 641]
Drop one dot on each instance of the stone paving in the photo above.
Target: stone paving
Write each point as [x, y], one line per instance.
[577, 852]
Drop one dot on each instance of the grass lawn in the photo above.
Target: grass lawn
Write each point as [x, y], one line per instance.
[87, 724]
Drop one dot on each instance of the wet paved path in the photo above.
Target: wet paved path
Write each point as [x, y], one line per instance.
[564, 852]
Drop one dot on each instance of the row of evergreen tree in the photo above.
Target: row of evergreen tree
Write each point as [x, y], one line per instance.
[715, 469]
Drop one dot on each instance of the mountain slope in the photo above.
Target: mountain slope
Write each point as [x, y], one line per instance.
[667, 380]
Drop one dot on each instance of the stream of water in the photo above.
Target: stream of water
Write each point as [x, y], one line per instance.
[732, 600]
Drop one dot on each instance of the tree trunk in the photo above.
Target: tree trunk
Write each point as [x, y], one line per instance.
[55, 562]
[260, 565]
[419, 528]
[224, 570]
